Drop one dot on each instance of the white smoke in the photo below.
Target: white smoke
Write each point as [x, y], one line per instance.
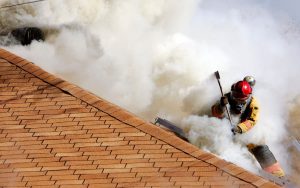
[214, 135]
[157, 58]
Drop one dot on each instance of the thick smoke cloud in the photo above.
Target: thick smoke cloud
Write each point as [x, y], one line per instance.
[157, 58]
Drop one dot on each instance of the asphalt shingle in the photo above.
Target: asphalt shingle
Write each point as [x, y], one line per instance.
[55, 134]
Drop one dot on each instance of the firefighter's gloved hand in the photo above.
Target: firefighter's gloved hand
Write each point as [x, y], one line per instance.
[224, 101]
[236, 130]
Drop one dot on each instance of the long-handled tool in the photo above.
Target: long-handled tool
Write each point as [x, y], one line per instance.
[227, 111]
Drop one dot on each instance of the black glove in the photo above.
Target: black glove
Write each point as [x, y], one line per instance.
[224, 101]
[236, 130]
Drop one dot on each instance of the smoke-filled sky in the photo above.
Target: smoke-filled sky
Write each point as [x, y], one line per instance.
[157, 58]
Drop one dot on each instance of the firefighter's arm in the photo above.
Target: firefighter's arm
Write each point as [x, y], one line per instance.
[218, 109]
[250, 122]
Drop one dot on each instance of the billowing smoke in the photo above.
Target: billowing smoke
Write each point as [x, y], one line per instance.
[157, 58]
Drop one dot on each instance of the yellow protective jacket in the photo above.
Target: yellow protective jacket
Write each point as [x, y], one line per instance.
[248, 118]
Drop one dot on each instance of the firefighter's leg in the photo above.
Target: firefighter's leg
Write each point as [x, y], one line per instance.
[266, 159]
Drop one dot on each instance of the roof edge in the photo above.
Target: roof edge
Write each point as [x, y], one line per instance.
[132, 120]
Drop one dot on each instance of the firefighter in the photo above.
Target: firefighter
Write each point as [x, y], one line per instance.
[244, 111]
[26, 35]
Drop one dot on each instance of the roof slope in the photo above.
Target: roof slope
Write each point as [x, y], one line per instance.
[55, 134]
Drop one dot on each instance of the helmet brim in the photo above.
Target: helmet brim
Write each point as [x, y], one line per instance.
[239, 96]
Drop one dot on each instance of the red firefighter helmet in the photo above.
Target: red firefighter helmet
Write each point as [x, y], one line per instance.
[241, 90]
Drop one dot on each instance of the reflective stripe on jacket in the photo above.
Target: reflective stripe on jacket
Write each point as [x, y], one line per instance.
[249, 116]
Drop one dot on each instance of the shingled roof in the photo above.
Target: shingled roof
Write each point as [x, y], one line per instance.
[55, 134]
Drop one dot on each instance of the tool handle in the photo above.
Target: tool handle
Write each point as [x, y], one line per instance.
[227, 111]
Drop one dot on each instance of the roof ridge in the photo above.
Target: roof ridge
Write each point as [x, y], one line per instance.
[130, 119]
